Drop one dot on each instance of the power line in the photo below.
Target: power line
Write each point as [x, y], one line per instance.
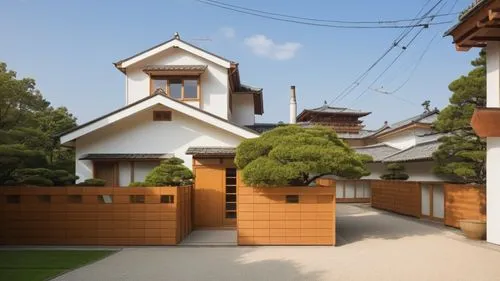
[398, 56]
[398, 39]
[319, 24]
[388, 66]
[419, 60]
[327, 20]
[395, 43]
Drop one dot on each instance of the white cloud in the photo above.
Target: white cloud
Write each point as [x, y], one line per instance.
[228, 32]
[265, 47]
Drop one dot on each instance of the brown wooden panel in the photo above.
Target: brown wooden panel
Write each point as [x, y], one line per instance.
[464, 202]
[397, 196]
[107, 171]
[208, 196]
[264, 217]
[92, 222]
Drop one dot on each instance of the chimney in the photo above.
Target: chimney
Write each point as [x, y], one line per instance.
[293, 106]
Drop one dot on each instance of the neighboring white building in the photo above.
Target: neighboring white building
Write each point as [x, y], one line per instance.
[178, 97]
[410, 142]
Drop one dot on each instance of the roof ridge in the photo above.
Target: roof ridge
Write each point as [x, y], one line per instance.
[375, 145]
[117, 63]
[411, 147]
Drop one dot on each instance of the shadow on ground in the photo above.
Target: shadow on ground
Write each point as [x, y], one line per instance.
[191, 263]
[357, 222]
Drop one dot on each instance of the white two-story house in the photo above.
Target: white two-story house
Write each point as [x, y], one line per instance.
[179, 99]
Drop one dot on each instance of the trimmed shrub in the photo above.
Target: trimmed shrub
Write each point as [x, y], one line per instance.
[138, 184]
[171, 172]
[32, 176]
[38, 181]
[93, 182]
[396, 172]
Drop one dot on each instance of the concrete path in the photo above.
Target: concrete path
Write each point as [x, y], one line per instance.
[374, 245]
[224, 237]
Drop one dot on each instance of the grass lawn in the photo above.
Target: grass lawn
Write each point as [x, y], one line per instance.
[34, 265]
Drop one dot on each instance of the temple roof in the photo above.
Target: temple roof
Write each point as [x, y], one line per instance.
[330, 110]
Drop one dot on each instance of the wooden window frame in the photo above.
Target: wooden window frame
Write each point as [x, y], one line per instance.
[182, 78]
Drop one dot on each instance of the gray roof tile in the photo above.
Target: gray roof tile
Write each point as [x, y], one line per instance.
[421, 151]
[211, 151]
[425, 118]
[139, 156]
[377, 151]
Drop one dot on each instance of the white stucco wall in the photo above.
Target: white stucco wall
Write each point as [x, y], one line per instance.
[493, 145]
[124, 173]
[408, 138]
[418, 171]
[142, 169]
[140, 134]
[214, 81]
[401, 140]
[243, 109]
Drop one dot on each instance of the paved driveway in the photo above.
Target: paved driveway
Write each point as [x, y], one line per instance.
[374, 245]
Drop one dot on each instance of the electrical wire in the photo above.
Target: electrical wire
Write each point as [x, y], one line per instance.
[319, 24]
[328, 20]
[396, 42]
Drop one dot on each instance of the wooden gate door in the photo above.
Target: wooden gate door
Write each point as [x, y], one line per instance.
[432, 200]
[208, 197]
[107, 171]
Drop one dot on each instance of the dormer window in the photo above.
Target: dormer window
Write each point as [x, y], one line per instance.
[181, 88]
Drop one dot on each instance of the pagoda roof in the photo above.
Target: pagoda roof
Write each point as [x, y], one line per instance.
[330, 110]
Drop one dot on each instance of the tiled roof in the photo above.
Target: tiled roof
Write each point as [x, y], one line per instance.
[377, 151]
[139, 156]
[248, 88]
[420, 151]
[338, 110]
[262, 127]
[117, 64]
[158, 92]
[426, 118]
[362, 134]
[184, 67]
[211, 151]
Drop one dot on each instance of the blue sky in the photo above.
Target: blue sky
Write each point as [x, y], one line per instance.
[69, 47]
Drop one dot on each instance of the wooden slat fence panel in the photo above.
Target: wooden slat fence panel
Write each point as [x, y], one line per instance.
[397, 196]
[89, 216]
[464, 202]
[265, 218]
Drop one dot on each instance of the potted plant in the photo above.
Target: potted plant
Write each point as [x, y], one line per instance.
[473, 229]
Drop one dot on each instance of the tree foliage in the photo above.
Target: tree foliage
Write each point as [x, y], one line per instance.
[396, 172]
[28, 124]
[292, 155]
[462, 154]
[170, 172]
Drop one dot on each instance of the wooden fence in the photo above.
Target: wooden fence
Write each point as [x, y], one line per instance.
[405, 197]
[286, 215]
[402, 197]
[464, 202]
[94, 215]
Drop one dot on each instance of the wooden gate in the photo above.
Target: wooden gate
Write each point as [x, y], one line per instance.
[214, 195]
[432, 203]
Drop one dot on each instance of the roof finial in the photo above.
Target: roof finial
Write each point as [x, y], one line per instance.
[325, 103]
[177, 36]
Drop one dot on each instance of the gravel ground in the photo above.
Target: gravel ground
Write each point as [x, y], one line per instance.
[372, 245]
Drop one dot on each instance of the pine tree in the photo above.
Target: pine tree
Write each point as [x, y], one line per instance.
[462, 154]
[292, 155]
